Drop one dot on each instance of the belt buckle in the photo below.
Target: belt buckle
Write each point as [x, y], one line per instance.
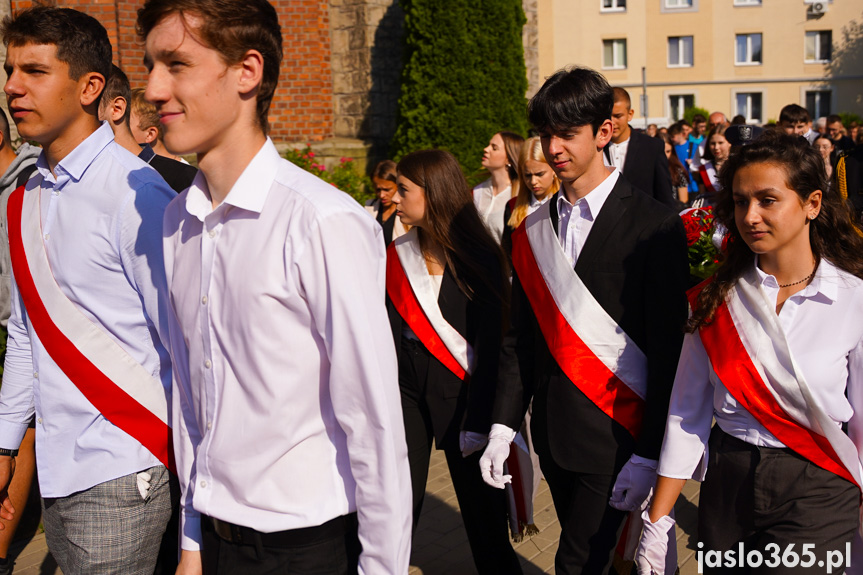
[227, 531]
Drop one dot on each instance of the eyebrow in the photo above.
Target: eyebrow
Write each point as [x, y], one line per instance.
[163, 54]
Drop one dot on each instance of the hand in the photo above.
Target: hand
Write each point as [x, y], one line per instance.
[492, 460]
[471, 442]
[190, 563]
[653, 546]
[7, 470]
[634, 484]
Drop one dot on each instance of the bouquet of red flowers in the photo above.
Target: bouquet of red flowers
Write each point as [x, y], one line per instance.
[706, 240]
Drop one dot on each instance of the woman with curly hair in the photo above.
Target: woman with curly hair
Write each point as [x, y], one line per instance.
[770, 353]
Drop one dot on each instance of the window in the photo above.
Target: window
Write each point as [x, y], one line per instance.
[678, 3]
[747, 2]
[818, 46]
[614, 54]
[749, 106]
[612, 5]
[679, 51]
[748, 49]
[818, 103]
[678, 104]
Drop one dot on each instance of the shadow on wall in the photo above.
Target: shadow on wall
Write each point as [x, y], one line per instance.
[848, 58]
[379, 122]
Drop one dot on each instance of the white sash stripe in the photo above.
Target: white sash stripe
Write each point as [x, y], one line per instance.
[97, 346]
[414, 264]
[765, 342]
[605, 339]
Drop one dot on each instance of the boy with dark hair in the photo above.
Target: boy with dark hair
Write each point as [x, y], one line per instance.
[598, 301]
[114, 109]
[794, 119]
[835, 130]
[640, 158]
[88, 320]
[288, 423]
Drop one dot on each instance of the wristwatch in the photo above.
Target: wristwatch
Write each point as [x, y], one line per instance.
[8, 452]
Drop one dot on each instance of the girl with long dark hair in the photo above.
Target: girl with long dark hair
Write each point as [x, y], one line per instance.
[381, 207]
[447, 297]
[774, 352]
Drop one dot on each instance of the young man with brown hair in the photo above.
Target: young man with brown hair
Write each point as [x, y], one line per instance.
[89, 303]
[288, 424]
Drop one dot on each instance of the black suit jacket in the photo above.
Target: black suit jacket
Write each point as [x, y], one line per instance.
[646, 167]
[454, 404]
[634, 262]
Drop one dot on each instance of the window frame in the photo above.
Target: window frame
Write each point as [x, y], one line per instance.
[749, 94]
[680, 52]
[614, 9]
[817, 59]
[828, 92]
[615, 42]
[679, 96]
[747, 3]
[748, 61]
[689, 4]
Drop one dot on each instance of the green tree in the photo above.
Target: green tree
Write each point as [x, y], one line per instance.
[464, 77]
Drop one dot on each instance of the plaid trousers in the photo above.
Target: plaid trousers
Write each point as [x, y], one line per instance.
[109, 528]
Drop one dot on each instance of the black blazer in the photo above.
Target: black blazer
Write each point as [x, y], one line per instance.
[634, 262]
[454, 404]
[646, 167]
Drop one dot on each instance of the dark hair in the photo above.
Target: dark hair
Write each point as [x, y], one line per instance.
[572, 97]
[117, 86]
[82, 42]
[472, 254]
[675, 129]
[718, 129]
[4, 129]
[674, 164]
[833, 118]
[699, 119]
[385, 170]
[621, 95]
[832, 233]
[738, 120]
[230, 28]
[794, 114]
[512, 145]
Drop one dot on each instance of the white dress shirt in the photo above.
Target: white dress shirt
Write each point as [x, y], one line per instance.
[825, 343]
[102, 230]
[287, 411]
[616, 155]
[576, 220]
[491, 207]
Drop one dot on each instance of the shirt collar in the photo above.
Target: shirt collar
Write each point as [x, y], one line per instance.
[824, 282]
[595, 198]
[250, 190]
[73, 166]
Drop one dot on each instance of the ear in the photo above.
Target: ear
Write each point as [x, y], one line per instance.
[251, 69]
[92, 84]
[117, 109]
[603, 134]
[813, 204]
[151, 134]
[631, 114]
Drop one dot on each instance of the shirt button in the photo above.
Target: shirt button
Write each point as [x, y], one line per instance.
[203, 483]
[204, 300]
[47, 236]
[207, 364]
[39, 420]
[212, 233]
[35, 374]
[209, 425]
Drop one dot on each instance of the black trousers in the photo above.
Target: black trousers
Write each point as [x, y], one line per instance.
[483, 508]
[589, 526]
[333, 549]
[761, 496]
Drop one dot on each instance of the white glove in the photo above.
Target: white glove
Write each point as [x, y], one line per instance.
[653, 547]
[492, 460]
[143, 479]
[471, 442]
[634, 484]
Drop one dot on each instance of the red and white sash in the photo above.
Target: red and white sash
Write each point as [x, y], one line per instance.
[709, 177]
[115, 384]
[412, 292]
[749, 352]
[588, 345]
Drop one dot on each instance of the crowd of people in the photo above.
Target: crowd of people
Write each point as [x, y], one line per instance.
[235, 368]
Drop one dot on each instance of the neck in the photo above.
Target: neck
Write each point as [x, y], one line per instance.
[124, 138]
[7, 156]
[71, 138]
[161, 150]
[588, 181]
[622, 137]
[500, 180]
[388, 210]
[224, 163]
[788, 266]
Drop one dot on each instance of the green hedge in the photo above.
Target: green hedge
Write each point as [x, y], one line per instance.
[464, 77]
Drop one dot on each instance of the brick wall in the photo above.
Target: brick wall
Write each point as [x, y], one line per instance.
[302, 109]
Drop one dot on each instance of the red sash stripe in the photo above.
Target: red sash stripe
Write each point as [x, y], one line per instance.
[735, 369]
[406, 303]
[574, 357]
[112, 402]
[705, 177]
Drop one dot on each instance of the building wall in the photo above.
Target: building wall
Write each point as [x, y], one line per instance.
[578, 27]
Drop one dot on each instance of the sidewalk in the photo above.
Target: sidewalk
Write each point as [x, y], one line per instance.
[440, 546]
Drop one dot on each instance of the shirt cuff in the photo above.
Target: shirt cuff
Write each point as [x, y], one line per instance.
[190, 535]
[11, 434]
